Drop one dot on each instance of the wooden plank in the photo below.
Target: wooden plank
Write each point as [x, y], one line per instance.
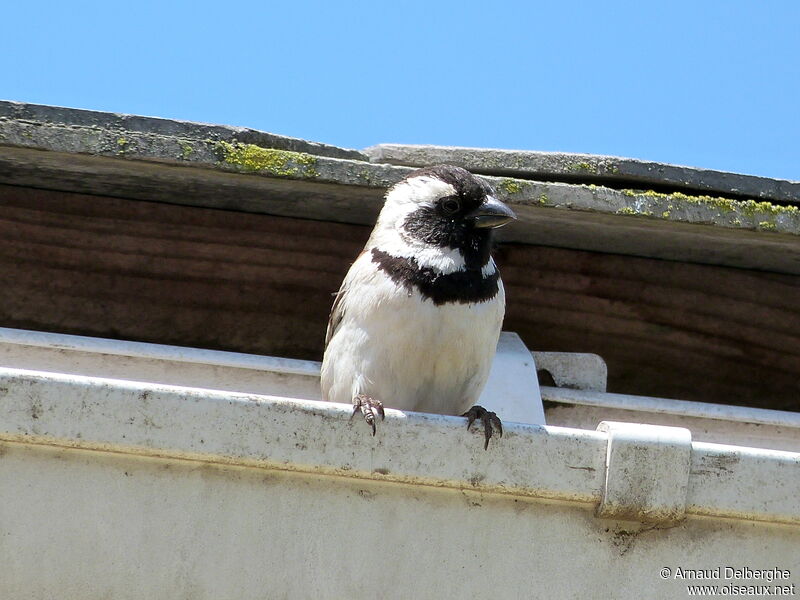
[168, 274]
[176, 274]
[596, 219]
[665, 328]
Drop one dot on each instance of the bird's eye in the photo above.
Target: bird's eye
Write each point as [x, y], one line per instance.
[450, 205]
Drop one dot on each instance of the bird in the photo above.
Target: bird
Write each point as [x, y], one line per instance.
[415, 323]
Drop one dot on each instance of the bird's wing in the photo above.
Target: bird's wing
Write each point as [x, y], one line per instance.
[337, 310]
[337, 313]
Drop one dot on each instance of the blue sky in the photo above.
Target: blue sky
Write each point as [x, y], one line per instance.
[705, 83]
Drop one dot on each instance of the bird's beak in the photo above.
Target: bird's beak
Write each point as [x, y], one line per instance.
[491, 213]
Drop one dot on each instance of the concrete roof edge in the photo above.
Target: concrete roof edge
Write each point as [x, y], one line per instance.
[217, 168]
[57, 116]
[615, 171]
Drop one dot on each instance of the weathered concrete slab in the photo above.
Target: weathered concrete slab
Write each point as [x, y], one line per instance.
[560, 215]
[589, 168]
[216, 167]
[75, 130]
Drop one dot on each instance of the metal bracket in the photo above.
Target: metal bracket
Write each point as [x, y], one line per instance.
[647, 472]
[513, 388]
[574, 370]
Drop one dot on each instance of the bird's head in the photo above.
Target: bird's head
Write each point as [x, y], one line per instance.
[442, 209]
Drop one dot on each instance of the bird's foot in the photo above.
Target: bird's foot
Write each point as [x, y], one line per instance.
[488, 418]
[369, 407]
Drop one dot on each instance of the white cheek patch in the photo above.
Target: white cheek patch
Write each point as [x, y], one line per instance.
[394, 214]
[442, 260]
[420, 190]
[402, 201]
[406, 197]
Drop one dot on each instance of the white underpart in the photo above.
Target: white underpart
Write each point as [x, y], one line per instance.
[406, 351]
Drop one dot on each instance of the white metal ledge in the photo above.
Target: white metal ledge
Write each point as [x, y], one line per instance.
[411, 448]
[512, 389]
[715, 423]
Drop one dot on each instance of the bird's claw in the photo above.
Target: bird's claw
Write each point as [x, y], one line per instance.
[489, 420]
[368, 407]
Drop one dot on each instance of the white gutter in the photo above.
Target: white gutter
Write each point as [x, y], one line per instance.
[411, 448]
[100, 346]
[512, 389]
[683, 408]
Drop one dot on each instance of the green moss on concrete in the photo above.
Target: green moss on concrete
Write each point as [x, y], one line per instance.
[583, 166]
[186, 150]
[749, 208]
[750, 214]
[510, 186]
[122, 145]
[365, 176]
[280, 163]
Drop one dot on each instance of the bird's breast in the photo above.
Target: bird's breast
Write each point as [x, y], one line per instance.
[399, 345]
[464, 286]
